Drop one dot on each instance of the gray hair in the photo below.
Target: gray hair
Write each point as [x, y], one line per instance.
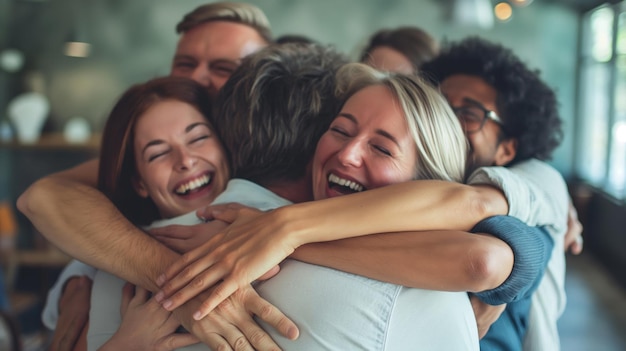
[237, 12]
[275, 107]
[439, 138]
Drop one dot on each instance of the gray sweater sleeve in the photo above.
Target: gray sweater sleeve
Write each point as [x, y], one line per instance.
[531, 247]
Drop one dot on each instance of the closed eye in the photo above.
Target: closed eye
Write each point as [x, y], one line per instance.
[200, 138]
[382, 150]
[155, 156]
[338, 131]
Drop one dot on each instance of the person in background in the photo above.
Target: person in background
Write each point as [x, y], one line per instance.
[512, 123]
[401, 50]
[294, 38]
[214, 38]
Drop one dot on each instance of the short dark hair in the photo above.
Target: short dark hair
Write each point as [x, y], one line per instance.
[236, 12]
[117, 167]
[294, 38]
[275, 107]
[527, 106]
[414, 43]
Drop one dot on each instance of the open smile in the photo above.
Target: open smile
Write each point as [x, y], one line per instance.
[194, 185]
[344, 186]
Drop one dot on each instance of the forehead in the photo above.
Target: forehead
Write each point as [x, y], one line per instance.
[375, 104]
[166, 117]
[388, 59]
[220, 40]
[458, 87]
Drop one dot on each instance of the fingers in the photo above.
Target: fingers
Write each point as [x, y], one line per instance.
[274, 317]
[191, 281]
[193, 262]
[67, 336]
[178, 340]
[220, 334]
[128, 292]
[272, 272]
[141, 295]
[208, 212]
[216, 342]
[173, 231]
[577, 246]
[220, 293]
[226, 215]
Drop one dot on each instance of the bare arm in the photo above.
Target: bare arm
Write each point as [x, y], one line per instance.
[68, 210]
[253, 244]
[411, 206]
[80, 220]
[437, 260]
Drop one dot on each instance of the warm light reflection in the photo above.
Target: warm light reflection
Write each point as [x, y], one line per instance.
[521, 3]
[503, 11]
[77, 49]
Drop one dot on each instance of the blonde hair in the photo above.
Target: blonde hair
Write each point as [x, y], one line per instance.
[237, 12]
[439, 138]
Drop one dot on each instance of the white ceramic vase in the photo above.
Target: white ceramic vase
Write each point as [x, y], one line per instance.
[28, 112]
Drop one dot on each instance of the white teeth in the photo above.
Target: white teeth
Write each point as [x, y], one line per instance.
[193, 184]
[345, 182]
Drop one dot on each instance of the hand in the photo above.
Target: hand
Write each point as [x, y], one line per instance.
[70, 331]
[208, 212]
[184, 238]
[145, 325]
[573, 237]
[485, 314]
[243, 252]
[231, 324]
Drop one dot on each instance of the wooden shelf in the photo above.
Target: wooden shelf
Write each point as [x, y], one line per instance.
[49, 257]
[56, 141]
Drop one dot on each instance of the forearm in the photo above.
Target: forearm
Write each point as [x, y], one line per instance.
[438, 260]
[411, 206]
[82, 222]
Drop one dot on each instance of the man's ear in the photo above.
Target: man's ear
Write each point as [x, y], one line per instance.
[140, 187]
[507, 149]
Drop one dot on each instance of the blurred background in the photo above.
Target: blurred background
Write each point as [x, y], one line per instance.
[82, 54]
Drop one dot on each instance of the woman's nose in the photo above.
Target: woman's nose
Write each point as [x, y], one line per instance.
[351, 154]
[186, 160]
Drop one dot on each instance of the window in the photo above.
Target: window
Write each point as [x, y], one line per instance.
[601, 148]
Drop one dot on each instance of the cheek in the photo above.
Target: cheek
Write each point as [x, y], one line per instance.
[155, 177]
[386, 172]
[216, 155]
[326, 147]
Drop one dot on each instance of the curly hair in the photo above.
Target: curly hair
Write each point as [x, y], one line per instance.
[527, 106]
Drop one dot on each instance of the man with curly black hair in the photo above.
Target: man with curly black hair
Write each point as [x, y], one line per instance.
[478, 76]
[511, 119]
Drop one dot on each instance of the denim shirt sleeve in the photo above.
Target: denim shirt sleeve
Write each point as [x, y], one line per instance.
[531, 246]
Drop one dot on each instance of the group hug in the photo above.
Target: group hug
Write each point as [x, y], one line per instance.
[271, 194]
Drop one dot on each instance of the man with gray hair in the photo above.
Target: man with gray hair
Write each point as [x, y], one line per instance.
[214, 39]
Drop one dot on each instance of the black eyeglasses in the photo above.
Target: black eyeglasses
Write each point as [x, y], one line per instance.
[474, 115]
